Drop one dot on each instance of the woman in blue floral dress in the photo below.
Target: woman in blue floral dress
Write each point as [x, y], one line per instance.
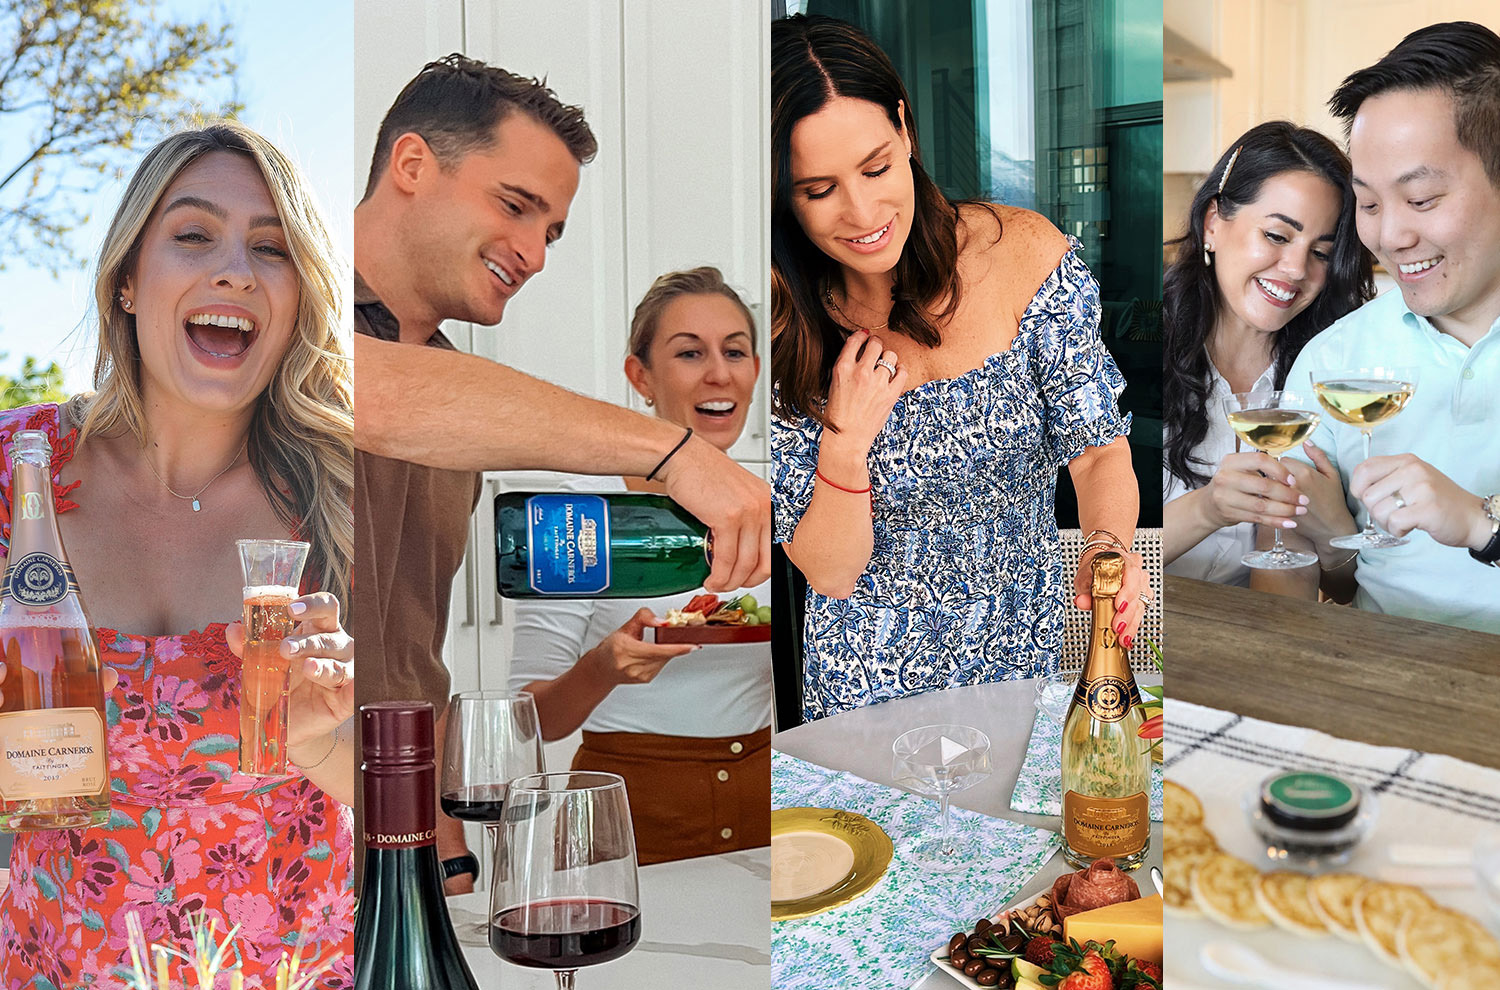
[935, 364]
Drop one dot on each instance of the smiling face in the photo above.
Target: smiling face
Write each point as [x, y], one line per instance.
[1271, 257]
[852, 189]
[213, 288]
[702, 367]
[1426, 209]
[478, 229]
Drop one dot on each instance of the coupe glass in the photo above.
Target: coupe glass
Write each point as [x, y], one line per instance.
[939, 760]
[493, 737]
[1274, 423]
[565, 893]
[1365, 398]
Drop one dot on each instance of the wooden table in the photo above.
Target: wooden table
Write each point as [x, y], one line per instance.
[1358, 675]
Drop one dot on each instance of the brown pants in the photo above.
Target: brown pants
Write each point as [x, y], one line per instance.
[689, 796]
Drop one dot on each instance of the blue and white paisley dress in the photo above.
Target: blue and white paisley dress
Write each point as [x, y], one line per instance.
[966, 584]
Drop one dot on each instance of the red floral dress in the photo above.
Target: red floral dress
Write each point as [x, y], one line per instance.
[188, 834]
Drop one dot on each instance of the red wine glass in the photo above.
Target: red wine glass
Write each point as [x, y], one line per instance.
[565, 893]
[493, 737]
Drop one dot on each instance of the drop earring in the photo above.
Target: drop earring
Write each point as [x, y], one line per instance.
[1208, 258]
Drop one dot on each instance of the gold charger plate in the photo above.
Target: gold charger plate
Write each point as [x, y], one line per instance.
[822, 858]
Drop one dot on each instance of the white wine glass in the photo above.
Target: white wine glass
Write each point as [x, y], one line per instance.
[1365, 398]
[1273, 423]
[939, 760]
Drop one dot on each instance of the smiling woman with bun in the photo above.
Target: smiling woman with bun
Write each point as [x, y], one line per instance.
[688, 727]
[935, 364]
[222, 411]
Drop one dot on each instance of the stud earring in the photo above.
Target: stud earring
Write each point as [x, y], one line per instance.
[125, 304]
[650, 403]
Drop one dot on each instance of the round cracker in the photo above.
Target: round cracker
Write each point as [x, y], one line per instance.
[1470, 977]
[1379, 911]
[1186, 835]
[1224, 890]
[1332, 896]
[1283, 896]
[1180, 805]
[1434, 942]
[1178, 866]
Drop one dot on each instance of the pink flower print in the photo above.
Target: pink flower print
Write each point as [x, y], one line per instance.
[173, 782]
[175, 704]
[289, 878]
[227, 868]
[299, 810]
[185, 853]
[97, 865]
[327, 915]
[260, 928]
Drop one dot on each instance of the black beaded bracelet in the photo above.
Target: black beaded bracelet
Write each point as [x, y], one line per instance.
[664, 460]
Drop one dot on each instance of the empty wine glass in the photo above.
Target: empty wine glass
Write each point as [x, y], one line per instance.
[1365, 398]
[565, 891]
[1274, 423]
[939, 760]
[493, 737]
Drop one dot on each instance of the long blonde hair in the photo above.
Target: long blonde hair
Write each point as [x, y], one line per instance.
[301, 441]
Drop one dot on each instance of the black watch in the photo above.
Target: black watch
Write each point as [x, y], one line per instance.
[467, 863]
[1490, 552]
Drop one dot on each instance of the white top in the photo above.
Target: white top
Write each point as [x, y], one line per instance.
[1217, 556]
[718, 690]
[1452, 422]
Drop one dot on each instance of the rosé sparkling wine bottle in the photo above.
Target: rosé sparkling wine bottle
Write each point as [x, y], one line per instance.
[54, 765]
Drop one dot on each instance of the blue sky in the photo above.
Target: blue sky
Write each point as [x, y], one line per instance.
[296, 80]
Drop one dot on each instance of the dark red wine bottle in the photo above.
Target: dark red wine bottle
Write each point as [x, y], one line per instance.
[403, 939]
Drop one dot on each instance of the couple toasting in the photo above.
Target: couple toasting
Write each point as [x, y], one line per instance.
[1271, 289]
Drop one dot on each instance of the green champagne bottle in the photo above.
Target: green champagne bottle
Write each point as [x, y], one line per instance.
[574, 545]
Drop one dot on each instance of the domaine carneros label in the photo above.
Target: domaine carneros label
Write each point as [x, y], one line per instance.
[51, 753]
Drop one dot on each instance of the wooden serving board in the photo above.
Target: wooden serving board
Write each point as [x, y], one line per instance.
[709, 635]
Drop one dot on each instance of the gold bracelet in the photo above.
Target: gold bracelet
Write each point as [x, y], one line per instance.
[1113, 539]
[1341, 564]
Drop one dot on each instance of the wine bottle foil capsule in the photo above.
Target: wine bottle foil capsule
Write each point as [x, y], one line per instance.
[396, 739]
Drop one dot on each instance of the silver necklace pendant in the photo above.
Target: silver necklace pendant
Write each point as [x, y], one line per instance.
[196, 506]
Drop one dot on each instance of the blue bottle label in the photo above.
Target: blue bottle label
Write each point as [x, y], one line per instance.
[39, 579]
[568, 537]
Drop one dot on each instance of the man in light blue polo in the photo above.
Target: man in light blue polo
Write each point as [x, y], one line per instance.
[1424, 139]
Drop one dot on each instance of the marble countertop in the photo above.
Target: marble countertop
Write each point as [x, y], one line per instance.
[705, 922]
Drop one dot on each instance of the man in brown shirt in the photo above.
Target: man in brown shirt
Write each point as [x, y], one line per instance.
[473, 174]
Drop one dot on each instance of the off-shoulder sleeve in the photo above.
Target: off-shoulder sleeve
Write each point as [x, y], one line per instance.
[1078, 379]
[794, 459]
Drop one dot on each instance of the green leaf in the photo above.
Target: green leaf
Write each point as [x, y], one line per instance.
[92, 920]
[224, 770]
[151, 820]
[319, 852]
[45, 883]
[118, 820]
[214, 745]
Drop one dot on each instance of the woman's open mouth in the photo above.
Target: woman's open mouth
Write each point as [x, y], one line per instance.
[875, 240]
[221, 336]
[717, 409]
[1278, 294]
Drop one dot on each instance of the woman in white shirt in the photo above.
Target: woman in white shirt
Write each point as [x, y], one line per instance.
[687, 727]
[1270, 258]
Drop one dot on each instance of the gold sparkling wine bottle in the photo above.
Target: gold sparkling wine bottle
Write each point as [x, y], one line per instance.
[1106, 766]
[54, 768]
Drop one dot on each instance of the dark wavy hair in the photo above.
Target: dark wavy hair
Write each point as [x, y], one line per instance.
[1190, 292]
[814, 60]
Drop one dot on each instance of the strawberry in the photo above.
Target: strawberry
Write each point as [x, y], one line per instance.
[1092, 974]
[1040, 950]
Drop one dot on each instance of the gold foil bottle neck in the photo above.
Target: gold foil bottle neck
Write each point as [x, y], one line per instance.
[1109, 574]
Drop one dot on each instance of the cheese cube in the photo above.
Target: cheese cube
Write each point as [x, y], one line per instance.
[1134, 925]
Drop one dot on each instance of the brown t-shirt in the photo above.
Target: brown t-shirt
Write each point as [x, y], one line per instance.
[411, 524]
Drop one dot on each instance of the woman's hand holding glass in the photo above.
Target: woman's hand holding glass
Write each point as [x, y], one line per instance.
[322, 691]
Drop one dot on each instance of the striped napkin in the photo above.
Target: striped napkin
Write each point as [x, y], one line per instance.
[883, 939]
[1039, 787]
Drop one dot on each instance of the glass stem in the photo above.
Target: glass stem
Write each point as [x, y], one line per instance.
[1276, 547]
[565, 978]
[947, 846]
[1369, 532]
